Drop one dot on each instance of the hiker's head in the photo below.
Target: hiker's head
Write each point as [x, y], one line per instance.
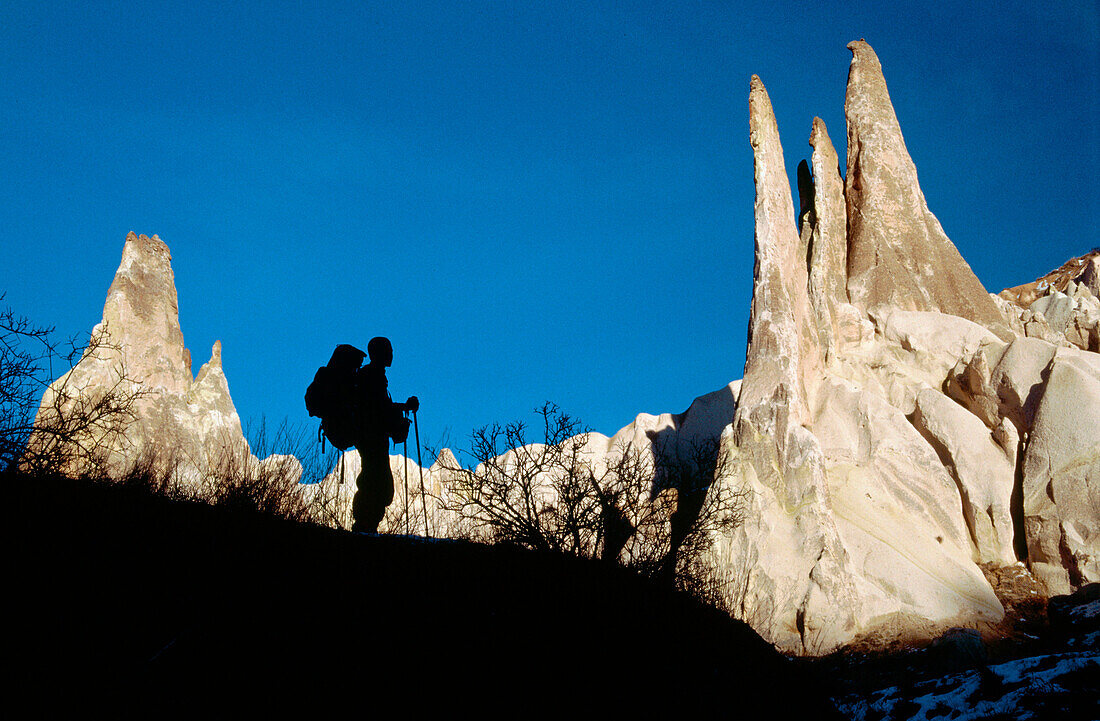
[380, 351]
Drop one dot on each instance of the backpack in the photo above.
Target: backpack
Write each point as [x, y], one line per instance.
[332, 398]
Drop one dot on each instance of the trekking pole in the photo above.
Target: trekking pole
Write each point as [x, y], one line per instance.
[420, 465]
[405, 454]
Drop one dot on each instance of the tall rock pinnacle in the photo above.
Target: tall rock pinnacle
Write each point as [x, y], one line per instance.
[781, 336]
[141, 315]
[140, 349]
[898, 254]
[828, 242]
[773, 420]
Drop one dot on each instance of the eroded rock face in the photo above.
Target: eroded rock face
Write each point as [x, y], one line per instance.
[1082, 269]
[1061, 475]
[898, 254]
[177, 418]
[828, 251]
[980, 468]
[1090, 276]
[898, 513]
[857, 463]
[781, 460]
[1047, 395]
[1061, 307]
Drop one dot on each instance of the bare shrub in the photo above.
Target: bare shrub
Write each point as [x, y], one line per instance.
[240, 480]
[655, 509]
[154, 474]
[536, 495]
[72, 431]
[663, 510]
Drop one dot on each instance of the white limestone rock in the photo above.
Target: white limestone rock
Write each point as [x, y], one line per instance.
[827, 246]
[178, 420]
[705, 419]
[980, 468]
[1057, 308]
[1061, 307]
[1090, 275]
[210, 409]
[778, 456]
[1061, 475]
[1010, 312]
[897, 511]
[936, 340]
[898, 254]
[1018, 380]
[910, 351]
[969, 383]
[1036, 326]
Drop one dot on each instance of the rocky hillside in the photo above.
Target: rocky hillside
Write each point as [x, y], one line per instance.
[1061, 307]
[897, 429]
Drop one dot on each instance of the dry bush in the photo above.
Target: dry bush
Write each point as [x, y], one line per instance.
[655, 509]
[152, 473]
[236, 480]
[72, 432]
[534, 495]
[663, 510]
[264, 476]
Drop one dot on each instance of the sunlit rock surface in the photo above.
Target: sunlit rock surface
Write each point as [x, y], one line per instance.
[898, 254]
[178, 420]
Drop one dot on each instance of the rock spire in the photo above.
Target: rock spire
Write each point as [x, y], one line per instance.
[898, 255]
[177, 418]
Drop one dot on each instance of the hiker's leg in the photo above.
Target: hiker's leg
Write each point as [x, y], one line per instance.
[359, 504]
[375, 492]
[381, 491]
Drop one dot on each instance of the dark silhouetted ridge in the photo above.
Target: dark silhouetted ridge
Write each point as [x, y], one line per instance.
[130, 592]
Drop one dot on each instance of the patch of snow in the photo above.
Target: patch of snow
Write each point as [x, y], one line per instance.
[1086, 610]
[973, 695]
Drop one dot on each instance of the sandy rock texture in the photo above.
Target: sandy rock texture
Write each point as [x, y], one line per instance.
[898, 254]
[180, 420]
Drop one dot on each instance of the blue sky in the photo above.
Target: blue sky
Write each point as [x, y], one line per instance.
[534, 201]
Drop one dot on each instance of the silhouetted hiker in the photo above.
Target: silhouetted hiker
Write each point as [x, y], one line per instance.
[381, 420]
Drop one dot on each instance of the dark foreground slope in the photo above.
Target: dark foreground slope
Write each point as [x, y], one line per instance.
[124, 592]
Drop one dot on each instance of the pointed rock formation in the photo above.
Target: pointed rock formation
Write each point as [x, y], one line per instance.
[141, 316]
[1090, 276]
[898, 255]
[829, 252]
[783, 349]
[177, 419]
[828, 246]
[211, 407]
[826, 449]
[789, 535]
